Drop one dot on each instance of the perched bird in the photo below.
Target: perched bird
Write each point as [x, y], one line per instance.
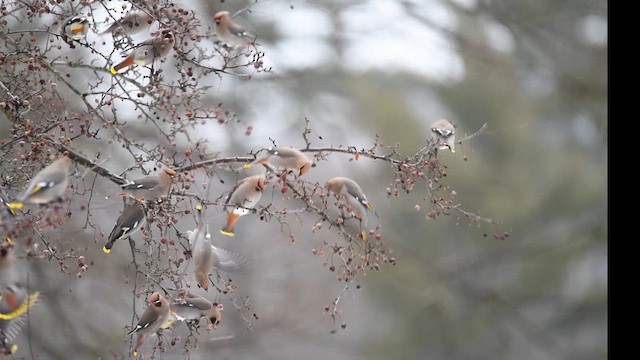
[131, 219]
[144, 53]
[194, 307]
[443, 135]
[156, 316]
[15, 300]
[289, 159]
[208, 257]
[357, 202]
[46, 186]
[76, 27]
[242, 199]
[135, 21]
[231, 33]
[151, 187]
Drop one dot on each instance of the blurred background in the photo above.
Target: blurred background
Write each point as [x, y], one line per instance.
[534, 71]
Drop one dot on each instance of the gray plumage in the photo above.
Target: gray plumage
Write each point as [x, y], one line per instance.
[76, 27]
[194, 307]
[151, 187]
[130, 220]
[49, 184]
[200, 242]
[352, 193]
[157, 47]
[156, 316]
[132, 23]
[288, 159]
[242, 199]
[230, 32]
[443, 135]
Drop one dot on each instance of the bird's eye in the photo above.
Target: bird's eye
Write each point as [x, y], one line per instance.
[157, 303]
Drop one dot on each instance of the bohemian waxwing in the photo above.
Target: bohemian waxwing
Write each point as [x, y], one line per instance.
[194, 307]
[151, 187]
[15, 301]
[208, 257]
[159, 46]
[156, 316]
[131, 220]
[231, 33]
[200, 242]
[242, 199]
[76, 27]
[5, 209]
[46, 186]
[351, 192]
[289, 159]
[135, 21]
[443, 135]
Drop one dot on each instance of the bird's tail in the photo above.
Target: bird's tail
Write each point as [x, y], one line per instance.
[231, 222]
[126, 63]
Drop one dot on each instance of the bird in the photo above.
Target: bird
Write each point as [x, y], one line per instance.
[47, 186]
[5, 209]
[289, 159]
[230, 32]
[76, 27]
[208, 257]
[15, 299]
[349, 190]
[200, 242]
[144, 53]
[134, 22]
[156, 315]
[242, 199]
[443, 135]
[151, 187]
[194, 307]
[130, 220]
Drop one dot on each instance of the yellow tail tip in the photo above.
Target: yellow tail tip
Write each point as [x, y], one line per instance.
[364, 235]
[8, 240]
[13, 349]
[227, 233]
[135, 353]
[247, 166]
[15, 205]
[106, 251]
[198, 207]
[22, 309]
[113, 70]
